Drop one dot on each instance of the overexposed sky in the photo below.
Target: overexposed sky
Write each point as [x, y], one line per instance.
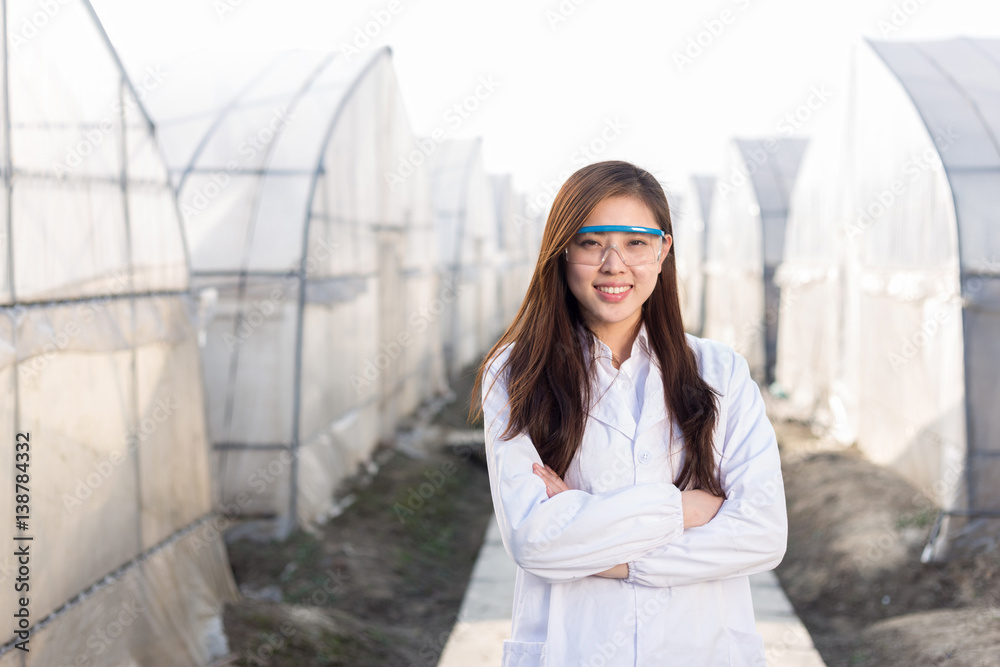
[560, 84]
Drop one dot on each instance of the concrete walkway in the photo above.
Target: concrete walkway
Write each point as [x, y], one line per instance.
[484, 619]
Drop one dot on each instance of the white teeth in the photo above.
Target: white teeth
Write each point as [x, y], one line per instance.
[614, 290]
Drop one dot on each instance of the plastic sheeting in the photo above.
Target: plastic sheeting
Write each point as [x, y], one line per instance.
[518, 240]
[746, 238]
[924, 267]
[306, 203]
[99, 364]
[812, 320]
[688, 218]
[469, 253]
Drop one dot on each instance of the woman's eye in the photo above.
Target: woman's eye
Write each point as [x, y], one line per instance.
[589, 243]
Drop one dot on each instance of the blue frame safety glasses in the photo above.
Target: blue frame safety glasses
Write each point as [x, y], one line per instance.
[635, 245]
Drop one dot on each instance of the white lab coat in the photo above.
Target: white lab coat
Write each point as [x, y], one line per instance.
[687, 598]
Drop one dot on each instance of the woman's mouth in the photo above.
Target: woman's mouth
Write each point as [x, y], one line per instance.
[613, 293]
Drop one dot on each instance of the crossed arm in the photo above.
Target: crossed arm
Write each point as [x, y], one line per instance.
[651, 534]
[698, 508]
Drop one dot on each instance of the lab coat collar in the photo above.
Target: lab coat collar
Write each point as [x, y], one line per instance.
[610, 407]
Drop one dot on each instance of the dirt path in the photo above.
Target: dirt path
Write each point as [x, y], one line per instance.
[383, 582]
[853, 570]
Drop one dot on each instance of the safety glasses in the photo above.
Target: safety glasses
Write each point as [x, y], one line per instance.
[635, 245]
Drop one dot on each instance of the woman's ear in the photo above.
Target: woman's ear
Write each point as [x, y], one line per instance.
[668, 241]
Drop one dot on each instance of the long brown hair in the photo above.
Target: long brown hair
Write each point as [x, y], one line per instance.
[547, 379]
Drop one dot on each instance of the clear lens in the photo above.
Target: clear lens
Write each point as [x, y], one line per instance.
[635, 248]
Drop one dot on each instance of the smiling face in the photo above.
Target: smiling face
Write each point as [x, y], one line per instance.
[611, 295]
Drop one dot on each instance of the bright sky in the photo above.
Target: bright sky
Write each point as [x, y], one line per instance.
[662, 84]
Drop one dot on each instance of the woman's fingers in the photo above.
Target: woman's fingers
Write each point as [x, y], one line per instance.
[553, 483]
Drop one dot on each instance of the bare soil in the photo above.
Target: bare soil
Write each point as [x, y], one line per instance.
[382, 583]
[853, 570]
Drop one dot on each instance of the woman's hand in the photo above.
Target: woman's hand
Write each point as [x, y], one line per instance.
[617, 572]
[554, 485]
[699, 507]
[553, 482]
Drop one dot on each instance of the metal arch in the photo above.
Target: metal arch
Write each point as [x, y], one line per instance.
[968, 478]
[244, 272]
[222, 115]
[385, 51]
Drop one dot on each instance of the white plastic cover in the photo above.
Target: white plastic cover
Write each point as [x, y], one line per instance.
[688, 218]
[924, 179]
[468, 250]
[811, 319]
[746, 235]
[99, 364]
[306, 204]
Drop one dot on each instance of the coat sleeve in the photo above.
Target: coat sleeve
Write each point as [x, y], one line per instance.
[750, 532]
[574, 534]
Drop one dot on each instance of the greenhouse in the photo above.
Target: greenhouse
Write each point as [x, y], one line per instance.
[923, 261]
[307, 210]
[688, 216]
[518, 240]
[99, 369]
[744, 245]
[813, 319]
[465, 218]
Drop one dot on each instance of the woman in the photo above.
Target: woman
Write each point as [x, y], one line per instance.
[634, 473]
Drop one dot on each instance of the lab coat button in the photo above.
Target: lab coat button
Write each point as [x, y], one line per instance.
[644, 456]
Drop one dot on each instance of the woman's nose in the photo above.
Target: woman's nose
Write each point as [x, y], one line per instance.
[613, 259]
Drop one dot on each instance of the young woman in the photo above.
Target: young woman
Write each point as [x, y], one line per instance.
[634, 473]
